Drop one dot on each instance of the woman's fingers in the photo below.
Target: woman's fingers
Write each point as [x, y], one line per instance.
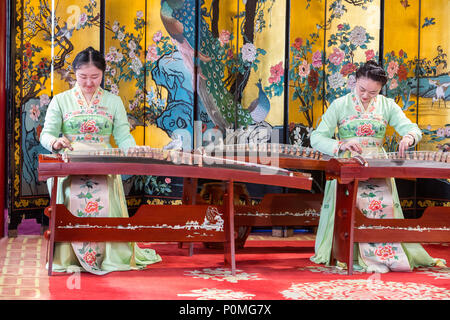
[352, 146]
[404, 144]
[61, 143]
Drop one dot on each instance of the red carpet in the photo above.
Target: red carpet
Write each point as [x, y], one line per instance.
[267, 270]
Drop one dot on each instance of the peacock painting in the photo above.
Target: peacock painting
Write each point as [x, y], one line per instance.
[180, 71]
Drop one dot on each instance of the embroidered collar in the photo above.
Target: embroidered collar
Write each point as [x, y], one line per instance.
[96, 97]
[359, 106]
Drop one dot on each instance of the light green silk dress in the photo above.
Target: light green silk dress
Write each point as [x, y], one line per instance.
[89, 127]
[376, 198]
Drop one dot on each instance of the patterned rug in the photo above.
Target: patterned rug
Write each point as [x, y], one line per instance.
[268, 269]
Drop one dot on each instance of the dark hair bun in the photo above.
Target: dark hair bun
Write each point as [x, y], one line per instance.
[89, 56]
[373, 71]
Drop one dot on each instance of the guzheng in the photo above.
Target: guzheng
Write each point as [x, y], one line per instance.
[182, 223]
[284, 155]
[295, 210]
[352, 226]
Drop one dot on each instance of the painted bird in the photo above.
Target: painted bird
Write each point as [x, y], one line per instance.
[440, 91]
[260, 107]
[176, 31]
[178, 17]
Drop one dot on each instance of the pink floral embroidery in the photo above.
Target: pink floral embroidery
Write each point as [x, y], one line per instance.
[365, 130]
[385, 252]
[89, 126]
[91, 207]
[375, 205]
[89, 257]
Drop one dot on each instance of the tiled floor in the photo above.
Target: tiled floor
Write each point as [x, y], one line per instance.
[21, 264]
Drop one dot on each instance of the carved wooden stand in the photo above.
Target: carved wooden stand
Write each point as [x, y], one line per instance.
[189, 222]
[351, 226]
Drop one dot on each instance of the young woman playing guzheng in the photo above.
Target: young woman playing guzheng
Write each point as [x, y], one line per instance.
[361, 118]
[87, 116]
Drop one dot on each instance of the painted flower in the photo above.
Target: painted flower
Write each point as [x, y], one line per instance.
[152, 53]
[83, 19]
[393, 84]
[114, 89]
[303, 69]
[358, 36]
[447, 131]
[348, 68]
[115, 26]
[336, 80]
[248, 52]
[392, 69]
[402, 73]
[276, 72]
[157, 36]
[89, 126]
[113, 55]
[131, 45]
[89, 257]
[317, 59]
[167, 180]
[369, 54]
[385, 252]
[136, 65]
[298, 42]
[313, 79]
[375, 205]
[44, 100]
[120, 35]
[365, 130]
[337, 56]
[139, 14]
[91, 207]
[35, 112]
[224, 37]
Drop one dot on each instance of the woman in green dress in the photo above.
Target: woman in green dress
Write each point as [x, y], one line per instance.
[84, 118]
[361, 118]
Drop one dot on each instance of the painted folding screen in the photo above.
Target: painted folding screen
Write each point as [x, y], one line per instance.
[200, 67]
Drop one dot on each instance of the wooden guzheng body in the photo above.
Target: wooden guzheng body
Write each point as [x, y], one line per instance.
[184, 223]
[278, 209]
[352, 226]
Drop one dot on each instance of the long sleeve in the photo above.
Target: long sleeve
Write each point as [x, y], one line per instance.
[398, 120]
[321, 137]
[52, 125]
[121, 127]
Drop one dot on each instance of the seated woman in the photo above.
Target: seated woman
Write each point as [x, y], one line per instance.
[84, 118]
[361, 118]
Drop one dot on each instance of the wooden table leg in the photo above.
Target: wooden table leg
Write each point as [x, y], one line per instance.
[189, 197]
[343, 224]
[229, 246]
[52, 225]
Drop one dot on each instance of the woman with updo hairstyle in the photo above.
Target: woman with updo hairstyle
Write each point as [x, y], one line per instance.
[84, 118]
[361, 118]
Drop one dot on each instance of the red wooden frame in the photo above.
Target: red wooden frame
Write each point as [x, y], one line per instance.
[3, 64]
[165, 225]
[351, 226]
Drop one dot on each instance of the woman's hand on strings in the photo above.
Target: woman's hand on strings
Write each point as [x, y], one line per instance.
[352, 146]
[61, 143]
[406, 142]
